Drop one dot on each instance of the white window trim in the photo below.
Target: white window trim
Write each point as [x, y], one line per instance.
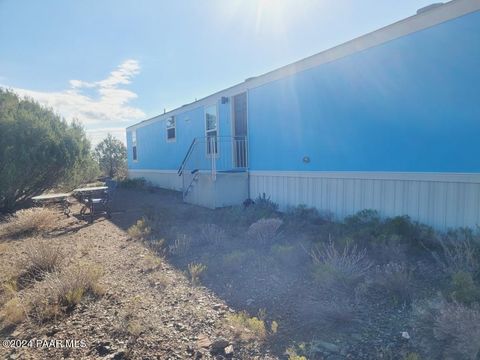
[174, 139]
[217, 123]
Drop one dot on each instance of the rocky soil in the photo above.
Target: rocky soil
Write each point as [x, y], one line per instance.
[149, 309]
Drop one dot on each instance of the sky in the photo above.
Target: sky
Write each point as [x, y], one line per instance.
[112, 63]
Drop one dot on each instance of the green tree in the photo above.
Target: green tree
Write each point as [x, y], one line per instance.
[38, 149]
[111, 155]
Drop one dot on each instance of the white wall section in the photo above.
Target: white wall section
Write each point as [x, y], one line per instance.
[440, 200]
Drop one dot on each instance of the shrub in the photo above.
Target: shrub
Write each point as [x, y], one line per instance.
[29, 222]
[247, 328]
[61, 291]
[41, 259]
[302, 215]
[395, 279]
[180, 245]
[363, 218]
[195, 270]
[157, 246]
[458, 253]
[13, 312]
[448, 330]
[212, 234]
[346, 267]
[140, 230]
[463, 288]
[264, 230]
[264, 202]
[274, 327]
[293, 355]
[38, 148]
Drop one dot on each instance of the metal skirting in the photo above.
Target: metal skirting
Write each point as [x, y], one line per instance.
[440, 200]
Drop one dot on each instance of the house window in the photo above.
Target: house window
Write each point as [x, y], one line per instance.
[134, 145]
[211, 129]
[171, 130]
[134, 152]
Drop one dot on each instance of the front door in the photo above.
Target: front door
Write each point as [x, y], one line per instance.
[240, 130]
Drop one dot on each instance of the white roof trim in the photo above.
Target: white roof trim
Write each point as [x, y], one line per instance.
[423, 20]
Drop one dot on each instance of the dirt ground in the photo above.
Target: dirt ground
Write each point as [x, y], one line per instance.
[168, 318]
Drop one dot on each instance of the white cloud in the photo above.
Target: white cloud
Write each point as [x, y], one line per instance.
[109, 105]
[97, 135]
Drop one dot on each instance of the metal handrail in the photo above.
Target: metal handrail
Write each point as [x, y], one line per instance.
[185, 159]
[213, 154]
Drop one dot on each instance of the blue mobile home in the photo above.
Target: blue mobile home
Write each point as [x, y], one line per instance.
[388, 121]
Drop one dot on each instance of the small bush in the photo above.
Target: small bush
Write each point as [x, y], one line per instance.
[264, 202]
[458, 253]
[41, 259]
[180, 246]
[293, 355]
[60, 292]
[463, 288]
[13, 312]
[195, 270]
[140, 230]
[395, 279]
[212, 234]
[264, 231]
[302, 215]
[247, 328]
[30, 222]
[274, 327]
[157, 246]
[363, 218]
[346, 267]
[448, 330]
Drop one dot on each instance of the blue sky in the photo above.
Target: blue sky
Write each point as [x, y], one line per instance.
[113, 63]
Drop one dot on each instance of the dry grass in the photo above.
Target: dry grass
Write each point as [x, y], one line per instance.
[41, 259]
[458, 254]
[180, 246]
[33, 221]
[448, 330]
[13, 312]
[395, 279]
[212, 234]
[60, 292]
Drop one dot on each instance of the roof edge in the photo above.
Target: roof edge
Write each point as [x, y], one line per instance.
[420, 21]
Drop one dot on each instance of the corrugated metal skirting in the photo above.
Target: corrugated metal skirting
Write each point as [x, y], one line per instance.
[449, 203]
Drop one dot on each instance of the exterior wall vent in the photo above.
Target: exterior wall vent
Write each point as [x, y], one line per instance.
[429, 7]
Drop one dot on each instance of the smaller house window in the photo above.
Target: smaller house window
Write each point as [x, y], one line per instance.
[134, 145]
[211, 130]
[171, 129]
[134, 152]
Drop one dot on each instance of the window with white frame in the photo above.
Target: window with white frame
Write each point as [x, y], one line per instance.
[171, 129]
[211, 129]
[134, 145]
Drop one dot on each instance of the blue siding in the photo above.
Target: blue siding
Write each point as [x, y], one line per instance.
[409, 105]
[412, 104]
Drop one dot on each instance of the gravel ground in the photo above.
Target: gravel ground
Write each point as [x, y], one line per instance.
[149, 309]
